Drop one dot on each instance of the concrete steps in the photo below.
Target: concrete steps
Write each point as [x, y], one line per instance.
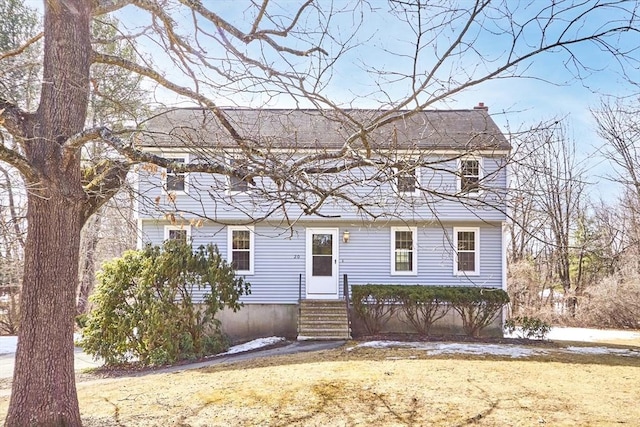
[323, 320]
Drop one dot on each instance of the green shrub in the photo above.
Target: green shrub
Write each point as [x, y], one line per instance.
[478, 307]
[144, 309]
[528, 327]
[423, 305]
[374, 304]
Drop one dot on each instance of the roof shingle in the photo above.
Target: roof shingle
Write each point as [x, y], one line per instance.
[318, 129]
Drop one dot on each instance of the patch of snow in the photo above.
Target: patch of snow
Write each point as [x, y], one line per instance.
[8, 344]
[252, 345]
[590, 335]
[506, 350]
[599, 351]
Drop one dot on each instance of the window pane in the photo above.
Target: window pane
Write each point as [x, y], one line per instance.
[241, 239]
[471, 167]
[407, 182]
[241, 260]
[236, 184]
[175, 182]
[470, 176]
[322, 244]
[466, 261]
[178, 235]
[321, 265]
[404, 260]
[404, 240]
[466, 240]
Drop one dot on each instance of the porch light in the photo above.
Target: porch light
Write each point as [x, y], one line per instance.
[346, 236]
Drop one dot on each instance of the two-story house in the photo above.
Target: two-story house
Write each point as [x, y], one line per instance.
[420, 200]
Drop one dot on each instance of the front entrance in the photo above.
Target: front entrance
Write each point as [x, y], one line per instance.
[322, 263]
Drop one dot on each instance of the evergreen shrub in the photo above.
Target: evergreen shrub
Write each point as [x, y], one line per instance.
[144, 310]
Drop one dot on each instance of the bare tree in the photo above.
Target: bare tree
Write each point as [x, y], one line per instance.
[618, 124]
[550, 202]
[267, 51]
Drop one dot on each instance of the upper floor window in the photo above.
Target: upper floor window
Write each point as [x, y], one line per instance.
[403, 251]
[177, 232]
[241, 248]
[176, 181]
[236, 184]
[469, 175]
[407, 179]
[467, 251]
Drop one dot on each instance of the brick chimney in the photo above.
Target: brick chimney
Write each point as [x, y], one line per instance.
[481, 106]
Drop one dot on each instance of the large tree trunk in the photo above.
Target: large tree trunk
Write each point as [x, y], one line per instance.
[43, 391]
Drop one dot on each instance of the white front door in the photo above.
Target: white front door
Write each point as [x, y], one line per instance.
[322, 263]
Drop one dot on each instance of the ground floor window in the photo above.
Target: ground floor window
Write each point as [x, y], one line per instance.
[241, 249]
[177, 232]
[467, 250]
[403, 251]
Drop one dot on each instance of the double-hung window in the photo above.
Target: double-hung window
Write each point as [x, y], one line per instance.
[176, 182]
[404, 251]
[177, 232]
[241, 248]
[407, 179]
[466, 242]
[237, 184]
[469, 175]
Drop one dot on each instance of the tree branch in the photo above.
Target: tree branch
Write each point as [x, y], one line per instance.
[259, 35]
[102, 182]
[13, 118]
[101, 7]
[19, 162]
[17, 51]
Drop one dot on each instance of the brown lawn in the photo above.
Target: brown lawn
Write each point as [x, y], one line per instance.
[369, 387]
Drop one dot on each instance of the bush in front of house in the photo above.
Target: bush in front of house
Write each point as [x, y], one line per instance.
[424, 305]
[374, 305]
[144, 309]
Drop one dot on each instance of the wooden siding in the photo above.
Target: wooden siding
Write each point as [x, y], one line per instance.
[280, 256]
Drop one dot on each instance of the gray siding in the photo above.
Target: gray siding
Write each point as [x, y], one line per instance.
[280, 256]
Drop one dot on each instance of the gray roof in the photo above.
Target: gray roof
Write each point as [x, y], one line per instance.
[318, 129]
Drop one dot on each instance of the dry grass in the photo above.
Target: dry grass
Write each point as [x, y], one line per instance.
[391, 387]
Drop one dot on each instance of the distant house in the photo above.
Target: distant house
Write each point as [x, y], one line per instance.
[426, 205]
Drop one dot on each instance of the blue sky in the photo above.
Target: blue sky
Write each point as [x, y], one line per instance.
[514, 103]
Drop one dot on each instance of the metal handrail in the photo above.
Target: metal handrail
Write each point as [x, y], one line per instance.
[299, 301]
[347, 299]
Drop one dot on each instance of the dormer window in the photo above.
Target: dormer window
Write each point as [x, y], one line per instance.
[175, 182]
[469, 175]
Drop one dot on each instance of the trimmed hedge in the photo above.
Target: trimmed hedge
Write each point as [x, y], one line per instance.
[423, 305]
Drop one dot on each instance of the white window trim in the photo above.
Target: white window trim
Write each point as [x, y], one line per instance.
[168, 228]
[459, 176]
[414, 256]
[416, 190]
[475, 230]
[252, 248]
[228, 190]
[186, 175]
